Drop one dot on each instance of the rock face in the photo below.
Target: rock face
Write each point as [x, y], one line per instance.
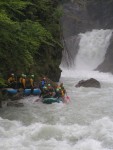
[89, 83]
[82, 15]
[107, 64]
[85, 15]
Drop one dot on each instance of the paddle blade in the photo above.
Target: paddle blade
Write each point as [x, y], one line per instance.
[67, 99]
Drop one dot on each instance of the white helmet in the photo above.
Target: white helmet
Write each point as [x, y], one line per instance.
[32, 75]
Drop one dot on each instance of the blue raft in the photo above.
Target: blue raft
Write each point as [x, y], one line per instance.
[12, 91]
[51, 100]
[36, 92]
[26, 92]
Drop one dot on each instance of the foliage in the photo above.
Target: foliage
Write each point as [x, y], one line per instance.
[2, 82]
[29, 29]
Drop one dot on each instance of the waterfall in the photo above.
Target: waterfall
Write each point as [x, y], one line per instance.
[92, 48]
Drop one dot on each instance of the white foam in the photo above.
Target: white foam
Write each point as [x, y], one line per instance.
[92, 49]
[53, 137]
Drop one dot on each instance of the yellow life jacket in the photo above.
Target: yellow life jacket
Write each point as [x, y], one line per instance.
[31, 82]
[23, 81]
[62, 92]
[11, 79]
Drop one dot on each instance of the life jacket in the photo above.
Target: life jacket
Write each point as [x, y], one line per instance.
[31, 82]
[23, 81]
[11, 79]
[62, 93]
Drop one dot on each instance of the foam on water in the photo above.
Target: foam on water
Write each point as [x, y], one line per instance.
[52, 137]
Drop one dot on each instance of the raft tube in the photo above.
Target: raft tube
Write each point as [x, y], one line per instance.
[36, 92]
[11, 91]
[51, 100]
[27, 92]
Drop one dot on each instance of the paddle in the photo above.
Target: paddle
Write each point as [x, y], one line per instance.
[67, 98]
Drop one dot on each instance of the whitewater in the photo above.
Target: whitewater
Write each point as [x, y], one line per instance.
[86, 123]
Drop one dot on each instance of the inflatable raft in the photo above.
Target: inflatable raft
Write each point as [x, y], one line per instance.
[26, 92]
[51, 100]
[12, 91]
[36, 92]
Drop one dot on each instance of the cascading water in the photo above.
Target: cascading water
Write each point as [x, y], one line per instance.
[92, 49]
[91, 53]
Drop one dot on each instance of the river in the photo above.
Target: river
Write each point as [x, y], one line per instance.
[86, 123]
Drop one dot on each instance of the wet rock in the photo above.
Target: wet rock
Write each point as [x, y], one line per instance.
[89, 83]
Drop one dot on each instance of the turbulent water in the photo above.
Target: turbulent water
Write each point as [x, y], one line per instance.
[86, 123]
[92, 49]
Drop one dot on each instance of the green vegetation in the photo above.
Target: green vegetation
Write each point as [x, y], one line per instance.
[29, 36]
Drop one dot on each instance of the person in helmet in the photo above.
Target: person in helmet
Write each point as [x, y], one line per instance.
[45, 92]
[23, 81]
[51, 90]
[58, 93]
[32, 81]
[12, 81]
[20, 79]
[42, 83]
[63, 91]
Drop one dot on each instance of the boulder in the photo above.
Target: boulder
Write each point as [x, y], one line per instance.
[89, 83]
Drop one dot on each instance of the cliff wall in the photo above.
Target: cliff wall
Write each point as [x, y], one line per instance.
[84, 15]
